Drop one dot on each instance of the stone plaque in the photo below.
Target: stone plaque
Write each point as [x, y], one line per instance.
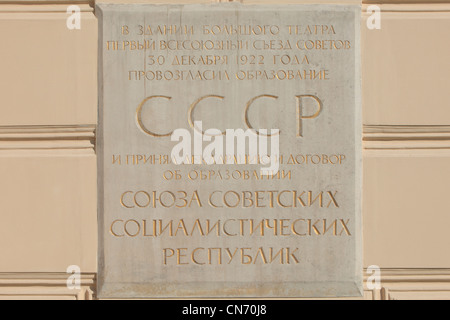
[229, 147]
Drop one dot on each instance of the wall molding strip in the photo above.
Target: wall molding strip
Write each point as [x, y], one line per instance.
[76, 138]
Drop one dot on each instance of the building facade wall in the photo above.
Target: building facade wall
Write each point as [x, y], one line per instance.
[48, 200]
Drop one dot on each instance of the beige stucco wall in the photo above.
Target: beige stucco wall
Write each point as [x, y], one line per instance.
[48, 90]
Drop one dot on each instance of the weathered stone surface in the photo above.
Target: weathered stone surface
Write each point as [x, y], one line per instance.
[294, 68]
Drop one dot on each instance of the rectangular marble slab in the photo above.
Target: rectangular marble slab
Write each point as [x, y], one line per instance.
[225, 230]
